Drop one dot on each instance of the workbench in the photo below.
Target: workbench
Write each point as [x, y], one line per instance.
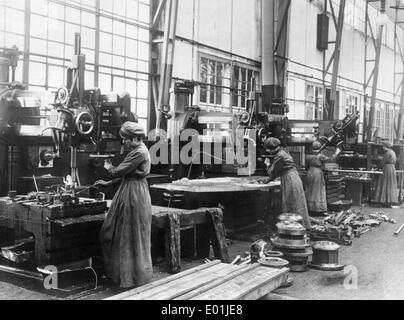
[70, 233]
[62, 233]
[212, 281]
[243, 202]
[205, 220]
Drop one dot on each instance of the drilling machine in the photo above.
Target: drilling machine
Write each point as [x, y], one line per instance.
[69, 128]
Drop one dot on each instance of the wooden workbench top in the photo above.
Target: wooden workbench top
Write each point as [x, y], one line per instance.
[212, 185]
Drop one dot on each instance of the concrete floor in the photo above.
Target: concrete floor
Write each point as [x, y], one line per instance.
[375, 262]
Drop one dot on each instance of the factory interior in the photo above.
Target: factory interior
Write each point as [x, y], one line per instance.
[201, 149]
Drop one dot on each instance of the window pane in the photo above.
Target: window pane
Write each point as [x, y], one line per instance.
[119, 45]
[14, 40]
[105, 59]
[55, 77]
[15, 21]
[144, 13]
[142, 89]
[105, 82]
[71, 30]
[119, 27]
[55, 30]
[105, 24]
[56, 10]
[118, 62]
[38, 46]
[72, 15]
[39, 6]
[119, 8]
[88, 37]
[132, 9]
[106, 5]
[87, 19]
[106, 41]
[37, 73]
[131, 86]
[142, 108]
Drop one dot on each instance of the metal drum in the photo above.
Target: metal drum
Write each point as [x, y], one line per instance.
[325, 256]
[298, 258]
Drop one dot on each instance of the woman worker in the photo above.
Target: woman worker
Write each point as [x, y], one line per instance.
[315, 188]
[386, 189]
[125, 234]
[293, 198]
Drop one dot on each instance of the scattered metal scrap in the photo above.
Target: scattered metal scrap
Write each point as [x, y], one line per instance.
[342, 227]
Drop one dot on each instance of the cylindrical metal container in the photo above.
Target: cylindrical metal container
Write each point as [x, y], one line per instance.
[325, 256]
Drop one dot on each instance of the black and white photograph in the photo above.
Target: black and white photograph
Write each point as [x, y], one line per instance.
[223, 151]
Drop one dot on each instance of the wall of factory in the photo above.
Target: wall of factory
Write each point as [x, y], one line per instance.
[216, 37]
[305, 89]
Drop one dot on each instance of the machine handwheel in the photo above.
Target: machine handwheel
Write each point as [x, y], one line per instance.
[84, 123]
[62, 95]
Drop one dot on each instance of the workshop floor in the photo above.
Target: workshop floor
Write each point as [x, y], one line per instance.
[374, 261]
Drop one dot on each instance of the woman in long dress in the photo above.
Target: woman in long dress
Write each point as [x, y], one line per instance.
[315, 187]
[125, 234]
[386, 189]
[293, 197]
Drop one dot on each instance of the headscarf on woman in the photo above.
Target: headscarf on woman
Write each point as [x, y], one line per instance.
[131, 130]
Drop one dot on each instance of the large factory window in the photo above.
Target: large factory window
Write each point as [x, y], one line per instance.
[121, 55]
[351, 103]
[314, 102]
[225, 85]
[242, 85]
[215, 84]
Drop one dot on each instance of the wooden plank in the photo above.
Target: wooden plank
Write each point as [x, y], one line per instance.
[38, 226]
[173, 242]
[248, 286]
[78, 210]
[198, 290]
[218, 235]
[187, 217]
[186, 284]
[164, 281]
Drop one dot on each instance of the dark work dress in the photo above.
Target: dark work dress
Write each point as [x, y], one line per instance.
[293, 197]
[386, 189]
[315, 190]
[125, 234]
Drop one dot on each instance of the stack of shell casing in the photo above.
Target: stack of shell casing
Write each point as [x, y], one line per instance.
[291, 240]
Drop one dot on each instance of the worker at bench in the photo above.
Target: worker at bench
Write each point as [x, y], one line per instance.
[126, 232]
[293, 197]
